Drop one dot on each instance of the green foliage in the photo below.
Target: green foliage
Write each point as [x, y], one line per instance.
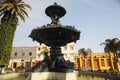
[7, 30]
[84, 51]
[112, 45]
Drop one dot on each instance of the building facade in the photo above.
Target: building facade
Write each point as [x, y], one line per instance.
[69, 51]
[97, 62]
[29, 56]
[24, 56]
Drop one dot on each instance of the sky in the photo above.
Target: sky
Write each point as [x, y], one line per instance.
[97, 20]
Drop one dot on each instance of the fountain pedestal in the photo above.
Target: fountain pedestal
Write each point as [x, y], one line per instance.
[54, 76]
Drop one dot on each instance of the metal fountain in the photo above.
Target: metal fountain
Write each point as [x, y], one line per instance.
[55, 35]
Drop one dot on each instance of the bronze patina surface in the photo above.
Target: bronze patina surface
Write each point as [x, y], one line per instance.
[55, 35]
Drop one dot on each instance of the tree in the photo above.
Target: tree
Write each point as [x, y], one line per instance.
[84, 52]
[112, 45]
[107, 45]
[10, 10]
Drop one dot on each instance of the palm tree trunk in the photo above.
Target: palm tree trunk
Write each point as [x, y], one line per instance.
[7, 29]
[116, 61]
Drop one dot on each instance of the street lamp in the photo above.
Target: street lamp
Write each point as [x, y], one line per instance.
[30, 61]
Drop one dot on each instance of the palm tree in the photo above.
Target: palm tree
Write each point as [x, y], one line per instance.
[89, 50]
[10, 10]
[81, 51]
[107, 45]
[112, 45]
[84, 52]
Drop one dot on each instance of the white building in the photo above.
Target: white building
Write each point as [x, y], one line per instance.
[69, 51]
[25, 56]
[29, 56]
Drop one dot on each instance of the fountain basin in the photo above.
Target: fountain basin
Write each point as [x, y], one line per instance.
[55, 35]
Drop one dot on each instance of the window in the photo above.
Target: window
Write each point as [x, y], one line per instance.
[30, 53]
[102, 62]
[96, 63]
[108, 62]
[83, 63]
[119, 55]
[39, 55]
[71, 48]
[38, 49]
[78, 62]
[88, 63]
[15, 54]
[65, 47]
[22, 60]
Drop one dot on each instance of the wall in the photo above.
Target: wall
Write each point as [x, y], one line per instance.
[97, 62]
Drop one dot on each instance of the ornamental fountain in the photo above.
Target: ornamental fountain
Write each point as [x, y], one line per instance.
[54, 35]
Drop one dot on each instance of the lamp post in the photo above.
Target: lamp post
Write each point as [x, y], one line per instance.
[30, 61]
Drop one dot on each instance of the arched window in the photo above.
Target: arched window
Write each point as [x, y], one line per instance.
[102, 62]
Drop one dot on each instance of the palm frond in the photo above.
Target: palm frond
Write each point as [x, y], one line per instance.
[2, 12]
[104, 43]
[26, 5]
[24, 11]
[16, 8]
[10, 6]
[22, 16]
[108, 40]
[13, 11]
[3, 6]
